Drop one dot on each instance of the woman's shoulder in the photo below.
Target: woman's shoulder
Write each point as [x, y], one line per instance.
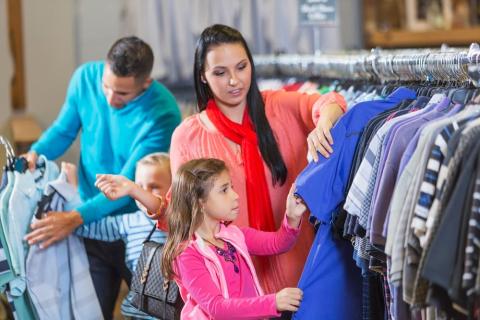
[277, 101]
[188, 128]
[275, 95]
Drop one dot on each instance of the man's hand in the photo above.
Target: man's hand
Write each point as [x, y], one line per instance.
[54, 227]
[32, 158]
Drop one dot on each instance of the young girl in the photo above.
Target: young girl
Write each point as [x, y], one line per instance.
[207, 256]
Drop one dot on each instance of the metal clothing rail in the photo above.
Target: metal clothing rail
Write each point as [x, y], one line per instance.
[443, 65]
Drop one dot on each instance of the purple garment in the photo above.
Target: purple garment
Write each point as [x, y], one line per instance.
[415, 110]
[407, 155]
[399, 142]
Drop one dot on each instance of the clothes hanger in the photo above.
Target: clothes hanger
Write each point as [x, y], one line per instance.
[18, 164]
[10, 155]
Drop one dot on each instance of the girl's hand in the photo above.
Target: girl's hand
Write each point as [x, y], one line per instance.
[295, 208]
[114, 186]
[288, 299]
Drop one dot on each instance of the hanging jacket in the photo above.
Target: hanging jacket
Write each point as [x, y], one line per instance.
[58, 277]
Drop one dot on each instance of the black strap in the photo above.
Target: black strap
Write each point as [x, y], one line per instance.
[151, 233]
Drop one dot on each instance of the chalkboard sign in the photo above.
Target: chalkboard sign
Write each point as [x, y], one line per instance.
[317, 12]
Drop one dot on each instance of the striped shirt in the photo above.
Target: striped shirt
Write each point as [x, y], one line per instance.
[360, 195]
[430, 177]
[132, 228]
[472, 250]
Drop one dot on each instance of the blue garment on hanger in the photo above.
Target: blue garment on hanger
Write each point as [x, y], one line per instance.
[331, 283]
[322, 184]
[6, 272]
[65, 289]
[26, 192]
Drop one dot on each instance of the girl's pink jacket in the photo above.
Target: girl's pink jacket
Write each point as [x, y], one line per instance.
[203, 283]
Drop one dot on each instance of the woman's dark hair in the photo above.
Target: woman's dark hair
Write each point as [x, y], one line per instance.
[130, 56]
[216, 35]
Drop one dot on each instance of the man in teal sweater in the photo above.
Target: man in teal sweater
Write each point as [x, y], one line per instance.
[122, 115]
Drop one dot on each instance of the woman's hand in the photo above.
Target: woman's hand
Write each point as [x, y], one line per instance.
[320, 139]
[114, 186]
[288, 299]
[295, 208]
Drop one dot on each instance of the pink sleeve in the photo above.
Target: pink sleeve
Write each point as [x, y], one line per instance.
[306, 108]
[326, 99]
[195, 278]
[262, 243]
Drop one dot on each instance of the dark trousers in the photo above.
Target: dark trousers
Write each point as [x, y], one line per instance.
[107, 268]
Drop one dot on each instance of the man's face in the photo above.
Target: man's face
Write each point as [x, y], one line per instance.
[121, 90]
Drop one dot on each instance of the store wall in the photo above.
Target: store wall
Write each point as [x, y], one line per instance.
[5, 72]
[49, 48]
[5, 66]
[172, 27]
[98, 24]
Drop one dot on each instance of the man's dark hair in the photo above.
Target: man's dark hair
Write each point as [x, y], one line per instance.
[130, 57]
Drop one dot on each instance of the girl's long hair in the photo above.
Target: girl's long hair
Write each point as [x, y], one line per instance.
[192, 183]
[216, 35]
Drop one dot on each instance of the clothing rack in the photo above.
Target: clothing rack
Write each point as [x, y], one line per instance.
[451, 65]
[13, 162]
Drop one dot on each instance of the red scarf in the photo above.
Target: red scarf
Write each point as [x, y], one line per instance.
[260, 214]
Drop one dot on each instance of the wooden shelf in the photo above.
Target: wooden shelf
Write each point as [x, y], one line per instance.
[433, 38]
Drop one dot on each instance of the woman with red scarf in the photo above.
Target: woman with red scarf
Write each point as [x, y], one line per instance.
[263, 137]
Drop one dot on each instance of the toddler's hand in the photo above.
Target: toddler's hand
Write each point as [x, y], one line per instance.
[288, 299]
[114, 186]
[295, 208]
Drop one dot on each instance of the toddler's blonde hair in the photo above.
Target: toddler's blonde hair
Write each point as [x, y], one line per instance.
[156, 159]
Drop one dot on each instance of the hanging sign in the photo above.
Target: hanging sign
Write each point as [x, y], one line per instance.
[317, 12]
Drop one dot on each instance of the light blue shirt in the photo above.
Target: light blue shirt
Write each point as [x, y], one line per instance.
[58, 277]
[26, 193]
[6, 273]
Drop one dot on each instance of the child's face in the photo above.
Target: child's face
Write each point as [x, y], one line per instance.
[222, 201]
[153, 178]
